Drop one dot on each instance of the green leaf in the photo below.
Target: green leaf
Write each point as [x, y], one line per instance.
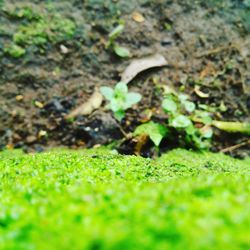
[107, 92]
[181, 121]
[119, 115]
[189, 106]
[199, 143]
[115, 105]
[191, 130]
[116, 31]
[121, 51]
[120, 99]
[204, 117]
[182, 97]
[131, 99]
[208, 133]
[121, 89]
[169, 105]
[155, 131]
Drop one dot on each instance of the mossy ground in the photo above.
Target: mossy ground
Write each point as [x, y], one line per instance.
[36, 29]
[102, 200]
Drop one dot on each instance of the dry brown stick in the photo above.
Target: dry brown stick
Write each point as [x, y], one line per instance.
[126, 135]
[231, 148]
[216, 50]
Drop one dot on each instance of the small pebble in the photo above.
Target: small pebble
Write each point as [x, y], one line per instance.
[64, 49]
[42, 133]
[39, 104]
[31, 139]
[19, 98]
[138, 17]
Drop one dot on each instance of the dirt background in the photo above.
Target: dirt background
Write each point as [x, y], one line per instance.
[199, 40]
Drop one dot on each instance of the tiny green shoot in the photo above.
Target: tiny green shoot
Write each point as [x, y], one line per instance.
[112, 44]
[155, 131]
[120, 99]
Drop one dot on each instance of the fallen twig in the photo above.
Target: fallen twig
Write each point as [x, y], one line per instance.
[234, 147]
[215, 50]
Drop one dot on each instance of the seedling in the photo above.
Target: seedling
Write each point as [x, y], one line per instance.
[119, 50]
[181, 112]
[120, 99]
[155, 131]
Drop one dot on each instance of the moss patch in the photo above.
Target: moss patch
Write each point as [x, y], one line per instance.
[101, 200]
[37, 28]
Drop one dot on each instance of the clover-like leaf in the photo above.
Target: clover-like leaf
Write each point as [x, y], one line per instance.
[189, 106]
[131, 99]
[119, 99]
[114, 105]
[169, 105]
[121, 89]
[107, 92]
[182, 97]
[155, 131]
[181, 121]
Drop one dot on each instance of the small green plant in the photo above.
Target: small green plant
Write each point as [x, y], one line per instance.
[120, 99]
[155, 131]
[119, 50]
[182, 114]
[184, 117]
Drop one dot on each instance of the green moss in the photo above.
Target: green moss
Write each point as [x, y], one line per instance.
[22, 13]
[102, 200]
[38, 29]
[47, 29]
[14, 50]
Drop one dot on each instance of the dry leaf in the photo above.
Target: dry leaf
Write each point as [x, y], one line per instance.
[19, 98]
[94, 102]
[138, 17]
[208, 71]
[64, 49]
[39, 104]
[139, 65]
[200, 93]
[141, 141]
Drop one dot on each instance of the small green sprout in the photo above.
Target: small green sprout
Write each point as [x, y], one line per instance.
[181, 121]
[169, 106]
[182, 115]
[120, 99]
[119, 50]
[155, 131]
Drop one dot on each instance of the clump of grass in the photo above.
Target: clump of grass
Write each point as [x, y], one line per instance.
[102, 200]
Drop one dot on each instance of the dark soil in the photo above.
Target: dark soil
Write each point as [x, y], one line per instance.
[205, 44]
